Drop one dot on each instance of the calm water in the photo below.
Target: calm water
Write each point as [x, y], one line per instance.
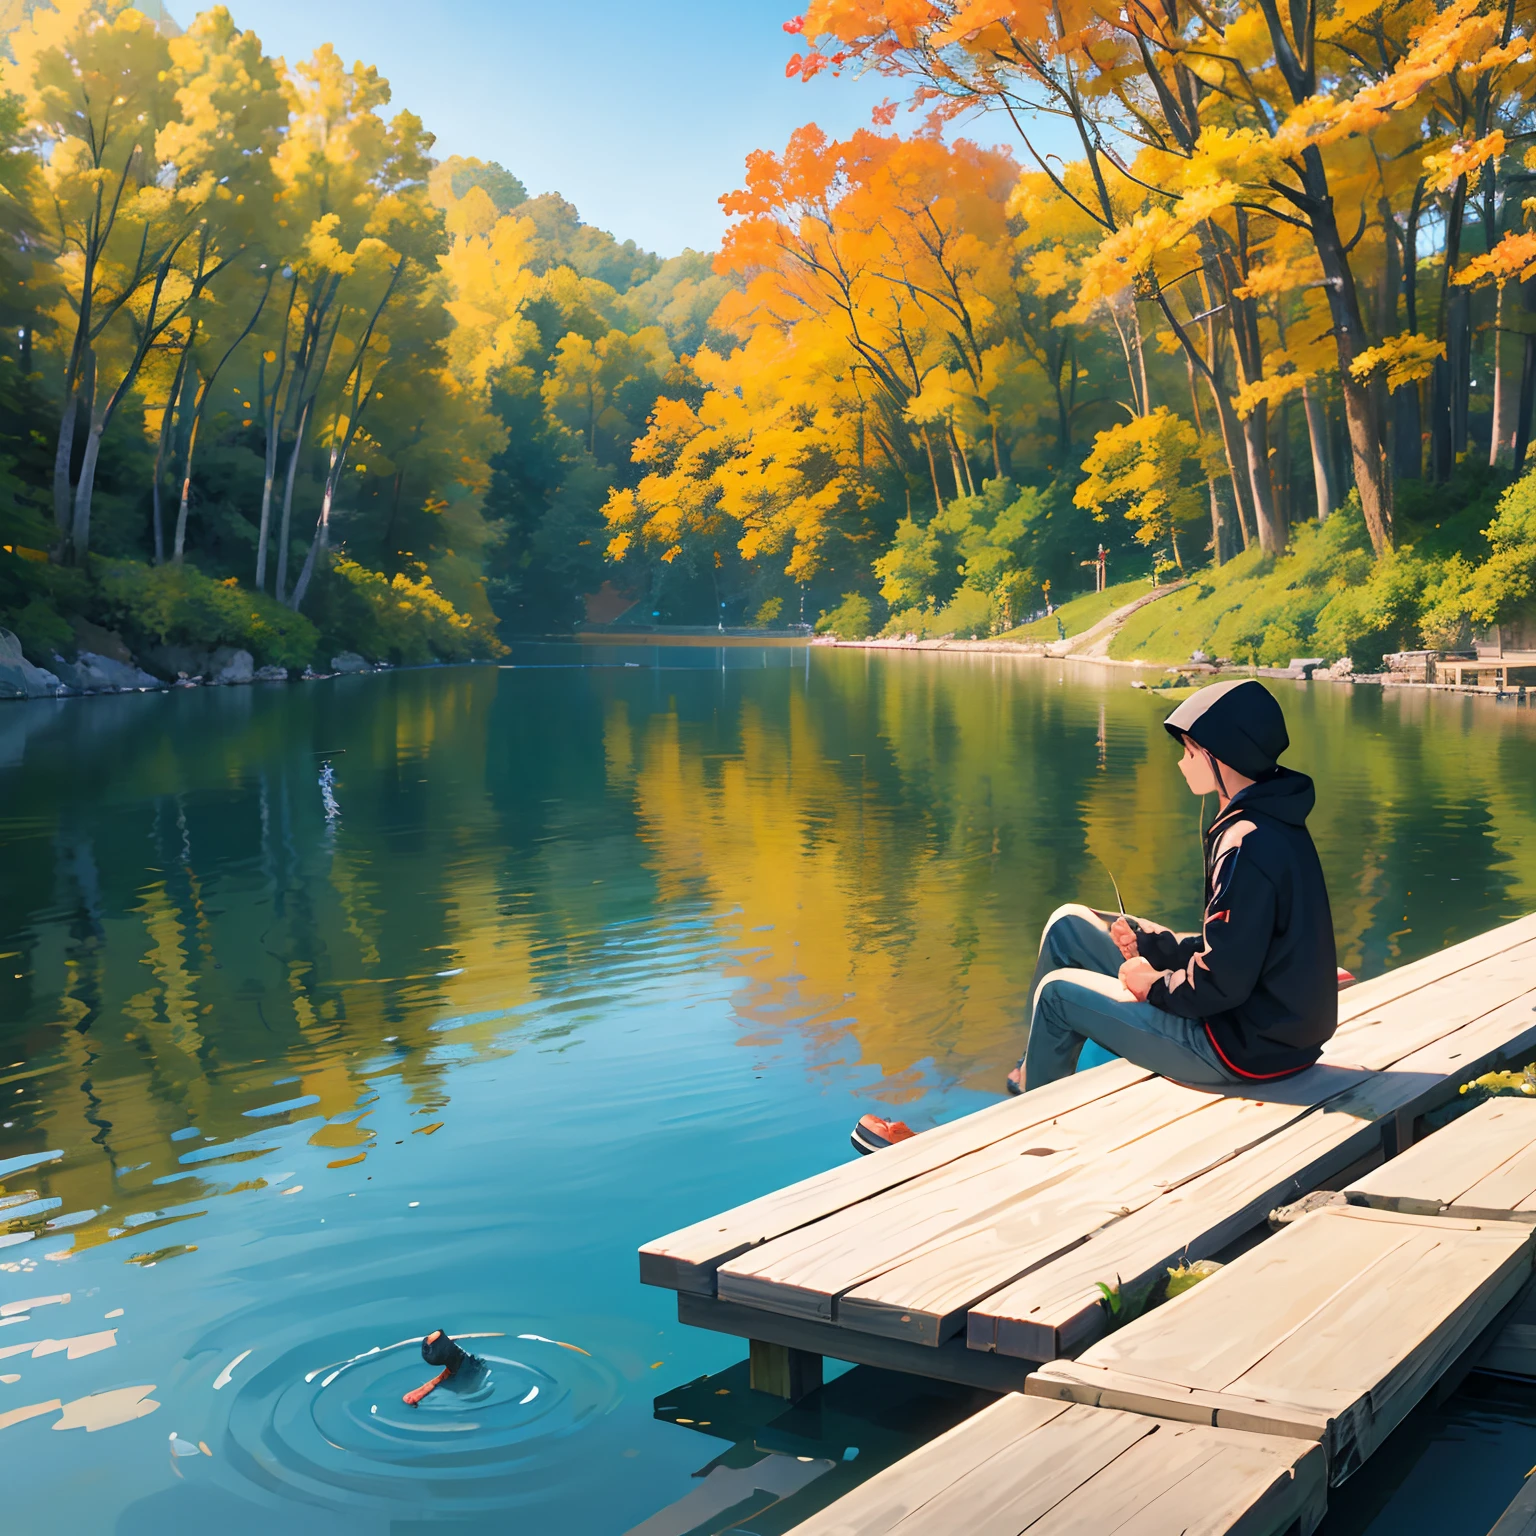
[296, 1065]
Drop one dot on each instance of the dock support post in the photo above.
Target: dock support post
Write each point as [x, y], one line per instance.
[783, 1372]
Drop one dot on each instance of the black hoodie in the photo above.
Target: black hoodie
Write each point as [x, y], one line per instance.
[1262, 975]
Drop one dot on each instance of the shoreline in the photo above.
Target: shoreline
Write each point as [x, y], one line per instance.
[1023, 649]
[1040, 651]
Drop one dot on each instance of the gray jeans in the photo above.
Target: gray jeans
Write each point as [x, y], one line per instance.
[1077, 998]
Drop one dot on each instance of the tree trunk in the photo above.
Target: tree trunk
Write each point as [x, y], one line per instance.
[1317, 437]
[1527, 399]
[1218, 548]
[933, 471]
[1498, 440]
[166, 422]
[1284, 498]
[1458, 356]
[63, 452]
[1407, 433]
[80, 527]
[1272, 532]
[284, 529]
[1442, 454]
[180, 544]
[321, 540]
[1231, 438]
[1365, 441]
[269, 474]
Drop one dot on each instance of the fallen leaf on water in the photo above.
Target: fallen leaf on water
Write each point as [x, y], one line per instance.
[294, 1190]
[10, 1380]
[426, 1130]
[31, 1411]
[146, 1259]
[655, 1365]
[346, 1162]
[577, 1347]
[103, 1410]
[202, 1445]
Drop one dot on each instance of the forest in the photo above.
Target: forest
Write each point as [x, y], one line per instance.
[1245, 291]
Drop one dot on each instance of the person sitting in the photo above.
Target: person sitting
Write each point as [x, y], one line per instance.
[1252, 997]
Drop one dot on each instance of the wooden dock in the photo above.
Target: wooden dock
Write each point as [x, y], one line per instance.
[977, 1252]
[974, 1252]
[1053, 1469]
[1332, 1331]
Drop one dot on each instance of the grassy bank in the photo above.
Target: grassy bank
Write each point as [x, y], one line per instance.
[1466, 558]
[1082, 613]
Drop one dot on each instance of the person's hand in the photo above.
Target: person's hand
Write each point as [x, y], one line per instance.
[1137, 976]
[1125, 938]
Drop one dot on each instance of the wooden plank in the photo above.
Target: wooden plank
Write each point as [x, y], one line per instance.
[803, 1272]
[951, 1361]
[1009, 1493]
[687, 1259]
[1512, 1351]
[926, 1297]
[888, 1499]
[1483, 1163]
[1382, 1036]
[1379, 992]
[1520, 1518]
[1056, 1311]
[1186, 1479]
[1334, 1329]
[1028, 1466]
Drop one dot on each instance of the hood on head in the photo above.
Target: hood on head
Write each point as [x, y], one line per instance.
[1238, 722]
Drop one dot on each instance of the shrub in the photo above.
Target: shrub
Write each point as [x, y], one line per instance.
[399, 618]
[969, 614]
[769, 611]
[850, 620]
[178, 605]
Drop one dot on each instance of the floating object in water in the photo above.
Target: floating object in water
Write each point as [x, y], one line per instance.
[438, 1349]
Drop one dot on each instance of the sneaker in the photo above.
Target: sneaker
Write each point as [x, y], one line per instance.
[872, 1133]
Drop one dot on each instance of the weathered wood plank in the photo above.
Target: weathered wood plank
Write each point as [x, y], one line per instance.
[1520, 1518]
[1269, 1344]
[803, 1272]
[1055, 1310]
[1378, 1037]
[686, 1260]
[1046, 1469]
[1512, 1351]
[1483, 1163]
[927, 1295]
[1380, 991]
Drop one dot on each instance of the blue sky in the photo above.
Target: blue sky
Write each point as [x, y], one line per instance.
[641, 115]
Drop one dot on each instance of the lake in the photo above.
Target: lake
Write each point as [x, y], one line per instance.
[332, 1014]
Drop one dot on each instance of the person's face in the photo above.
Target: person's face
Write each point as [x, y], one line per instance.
[1196, 768]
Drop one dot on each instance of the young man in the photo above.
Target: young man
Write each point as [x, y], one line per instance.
[1249, 999]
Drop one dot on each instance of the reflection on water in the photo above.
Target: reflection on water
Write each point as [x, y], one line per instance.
[333, 1014]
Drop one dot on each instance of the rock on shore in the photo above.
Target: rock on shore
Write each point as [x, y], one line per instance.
[19, 679]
